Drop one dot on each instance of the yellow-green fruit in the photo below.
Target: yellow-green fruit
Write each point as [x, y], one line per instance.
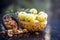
[41, 12]
[21, 16]
[44, 14]
[41, 18]
[30, 18]
[33, 11]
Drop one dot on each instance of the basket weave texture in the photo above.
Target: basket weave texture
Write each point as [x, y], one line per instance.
[33, 26]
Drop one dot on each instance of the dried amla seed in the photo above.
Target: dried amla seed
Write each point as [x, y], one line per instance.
[10, 33]
[25, 30]
[20, 31]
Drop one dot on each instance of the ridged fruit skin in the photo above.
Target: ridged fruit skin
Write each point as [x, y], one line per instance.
[30, 18]
[41, 18]
[33, 11]
[21, 16]
[44, 14]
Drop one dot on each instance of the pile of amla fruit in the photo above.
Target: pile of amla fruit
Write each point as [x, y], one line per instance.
[33, 16]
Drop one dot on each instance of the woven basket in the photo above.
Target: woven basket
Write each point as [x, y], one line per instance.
[33, 26]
